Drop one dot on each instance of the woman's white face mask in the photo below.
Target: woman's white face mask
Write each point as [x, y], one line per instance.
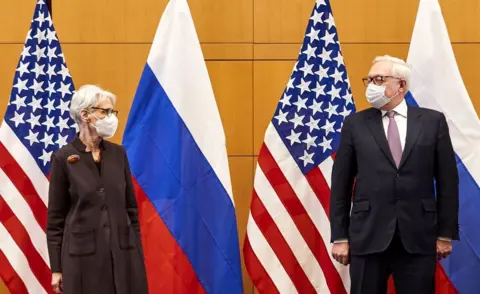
[107, 126]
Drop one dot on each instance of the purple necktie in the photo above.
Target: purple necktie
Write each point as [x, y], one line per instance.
[393, 137]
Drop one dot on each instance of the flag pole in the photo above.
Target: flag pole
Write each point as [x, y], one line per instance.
[49, 5]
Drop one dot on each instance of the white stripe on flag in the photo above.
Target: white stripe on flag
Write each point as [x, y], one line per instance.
[305, 193]
[268, 259]
[25, 161]
[326, 168]
[22, 211]
[290, 232]
[19, 262]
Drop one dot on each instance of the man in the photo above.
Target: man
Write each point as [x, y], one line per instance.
[392, 159]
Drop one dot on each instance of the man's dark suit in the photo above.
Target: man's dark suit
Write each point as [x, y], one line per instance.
[391, 203]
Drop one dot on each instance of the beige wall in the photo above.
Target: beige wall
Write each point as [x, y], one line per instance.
[250, 47]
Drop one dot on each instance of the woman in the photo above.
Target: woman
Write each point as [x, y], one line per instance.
[93, 231]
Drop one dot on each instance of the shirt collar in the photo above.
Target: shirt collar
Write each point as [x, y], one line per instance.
[400, 109]
[78, 144]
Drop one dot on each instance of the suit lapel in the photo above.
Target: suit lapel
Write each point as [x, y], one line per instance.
[414, 126]
[375, 125]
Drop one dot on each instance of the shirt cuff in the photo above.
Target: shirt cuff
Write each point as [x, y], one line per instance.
[340, 241]
[444, 239]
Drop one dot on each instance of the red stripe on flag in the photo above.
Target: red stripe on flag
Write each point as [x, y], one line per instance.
[262, 281]
[280, 246]
[320, 186]
[300, 217]
[23, 184]
[168, 268]
[38, 266]
[13, 282]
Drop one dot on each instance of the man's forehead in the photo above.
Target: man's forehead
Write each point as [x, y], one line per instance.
[381, 68]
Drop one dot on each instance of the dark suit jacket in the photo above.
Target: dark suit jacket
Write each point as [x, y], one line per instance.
[93, 220]
[384, 195]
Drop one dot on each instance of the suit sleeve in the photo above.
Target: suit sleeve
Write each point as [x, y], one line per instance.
[58, 207]
[343, 175]
[446, 178]
[131, 200]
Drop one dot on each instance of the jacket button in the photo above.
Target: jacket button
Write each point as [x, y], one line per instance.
[106, 226]
[398, 200]
[398, 175]
[104, 207]
[101, 190]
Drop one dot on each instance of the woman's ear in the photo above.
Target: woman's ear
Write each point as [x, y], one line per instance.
[84, 116]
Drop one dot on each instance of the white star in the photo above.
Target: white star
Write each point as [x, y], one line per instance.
[29, 35]
[310, 141]
[32, 137]
[22, 68]
[40, 52]
[285, 100]
[313, 124]
[304, 86]
[345, 113]
[51, 88]
[40, 3]
[335, 93]
[51, 35]
[63, 57]
[37, 87]
[330, 21]
[64, 106]
[328, 38]
[294, 137]
[325, 56]
[21, 85]
[326, 144]
[49, 123]
[64, 72]
[36, 104]
[301, 103]
[38, 70]
[339, 59]
[49, 19]
[332, 110]
[33, 120]
[306, 158]
[348, 98]
[25, 52]
[281, 117]
[51, 71]
[62, 141]
[64, 89]
[62, 123]
[40, 19]
[307, 69]
[51, 53]
[290, 83]
[47, 140]
[18, 119]
[310, 52]
[297, 120]
[50, 106]
[337, 76]
[316, 107]
[313, 35]
[347, 81]
[320, 3]
[328, 127]
[19, 102]
[40, 36]
[319, 90]
[340, 129]
[317, 17]
[45, 156]
[75, 126]
[322, 72]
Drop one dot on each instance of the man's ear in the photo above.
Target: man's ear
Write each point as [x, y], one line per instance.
[403, 86]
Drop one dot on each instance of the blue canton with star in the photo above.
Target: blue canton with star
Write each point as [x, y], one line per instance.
[317, 98]
[38, 110]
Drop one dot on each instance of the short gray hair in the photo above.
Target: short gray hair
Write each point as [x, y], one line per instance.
[400, 68]
[85, 97]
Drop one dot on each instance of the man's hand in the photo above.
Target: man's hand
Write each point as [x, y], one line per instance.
[444, 248]
[340, 251]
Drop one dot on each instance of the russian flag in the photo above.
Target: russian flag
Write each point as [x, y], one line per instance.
[437, 84]
[176, 147]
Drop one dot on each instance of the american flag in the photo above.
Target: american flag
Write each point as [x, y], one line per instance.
[287, 248]
[37, 123]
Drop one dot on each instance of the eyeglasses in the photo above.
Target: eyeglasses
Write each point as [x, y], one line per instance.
[106, 111]
[378, 79]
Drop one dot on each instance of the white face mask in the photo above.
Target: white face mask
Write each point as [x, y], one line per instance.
[376, 95]
[107, 126]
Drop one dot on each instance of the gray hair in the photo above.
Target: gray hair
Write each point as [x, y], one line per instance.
[85, 97]
[399, 69]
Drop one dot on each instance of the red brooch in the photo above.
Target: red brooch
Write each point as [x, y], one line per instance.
[73, 158]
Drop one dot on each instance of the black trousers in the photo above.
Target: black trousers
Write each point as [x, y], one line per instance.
[412, 273]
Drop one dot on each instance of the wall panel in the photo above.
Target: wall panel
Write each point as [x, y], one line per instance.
[15, 20]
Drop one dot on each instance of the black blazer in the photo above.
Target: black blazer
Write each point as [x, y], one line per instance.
[93, 219]
[384, 195]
